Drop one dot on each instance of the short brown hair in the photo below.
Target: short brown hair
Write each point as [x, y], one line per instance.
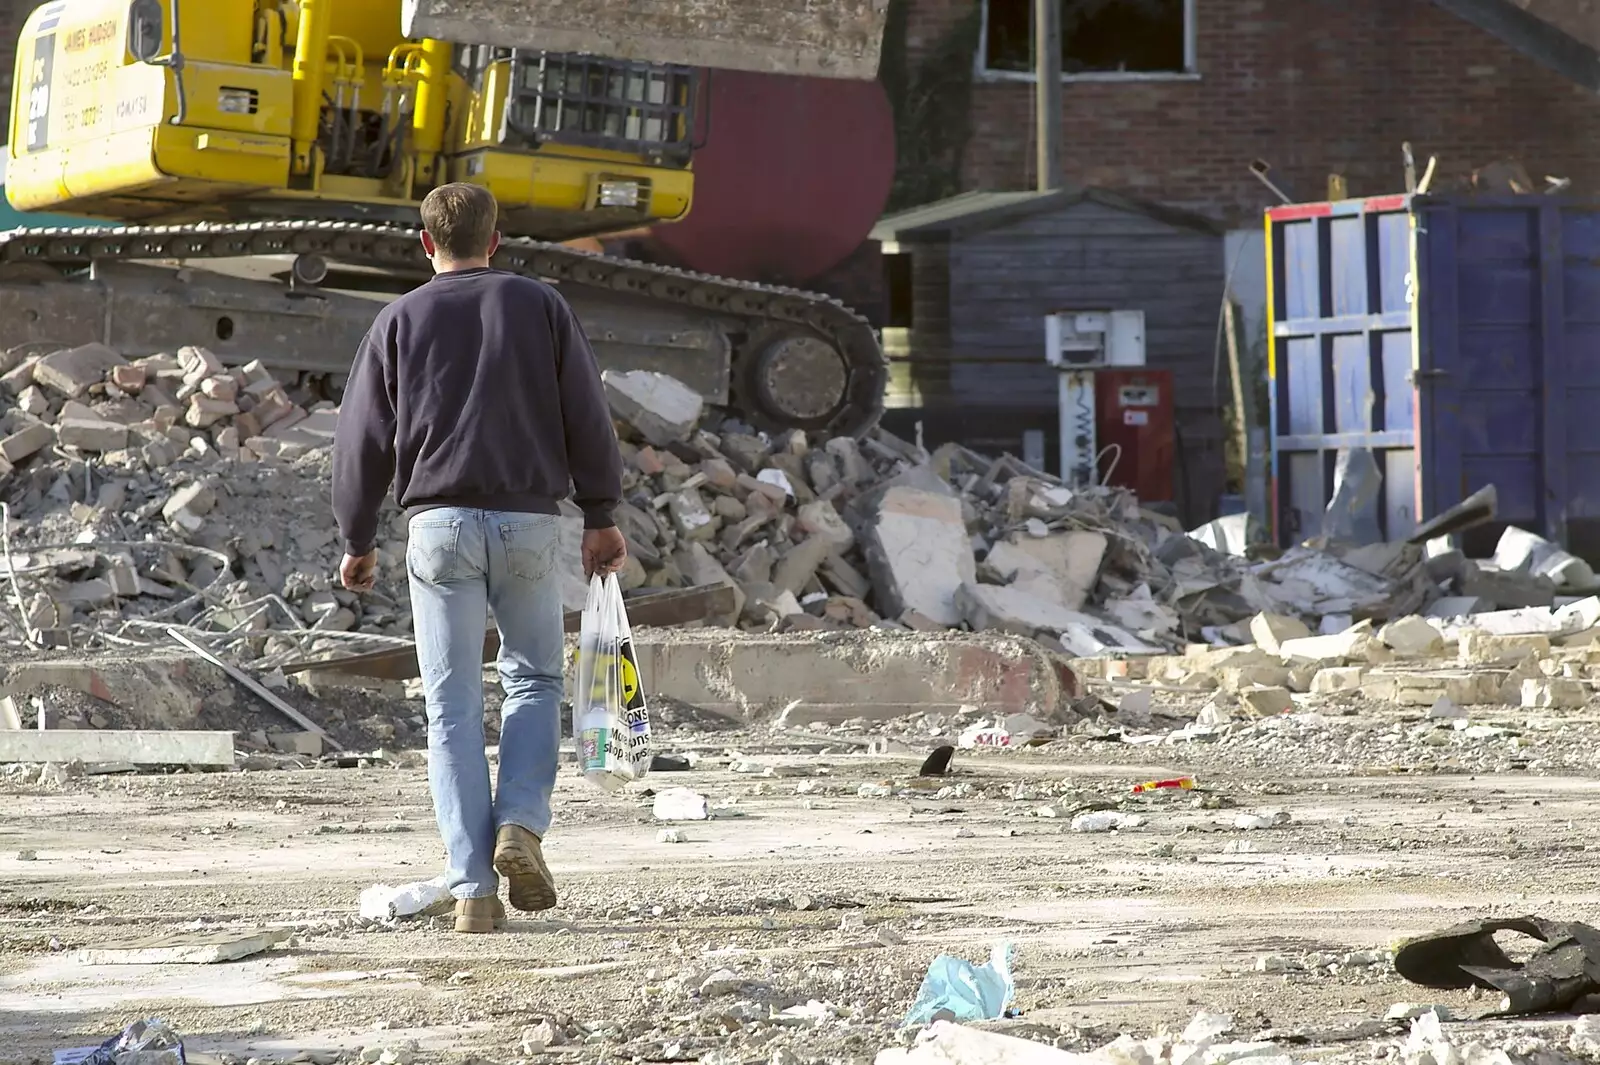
[461, 219]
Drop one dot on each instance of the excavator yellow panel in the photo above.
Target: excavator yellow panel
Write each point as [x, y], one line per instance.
[831, 39]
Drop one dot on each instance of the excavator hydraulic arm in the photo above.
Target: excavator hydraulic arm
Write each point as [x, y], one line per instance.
[838, 39]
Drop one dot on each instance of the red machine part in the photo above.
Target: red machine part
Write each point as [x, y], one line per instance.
[794, 174]
[1134, 412]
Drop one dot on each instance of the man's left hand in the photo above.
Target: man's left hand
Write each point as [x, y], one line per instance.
[358, 574]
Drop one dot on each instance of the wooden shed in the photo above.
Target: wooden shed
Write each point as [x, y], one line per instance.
[971, 280]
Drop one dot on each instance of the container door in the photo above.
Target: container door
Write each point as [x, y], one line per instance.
[1340, 357]
[1509, 362]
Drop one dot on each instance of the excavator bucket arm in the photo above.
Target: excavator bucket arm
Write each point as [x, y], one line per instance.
[821, 38]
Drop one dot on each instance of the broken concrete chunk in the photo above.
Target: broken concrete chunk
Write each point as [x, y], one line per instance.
[205, 411]
[198, 363]
[1554, 693]
[73, 371]
[1000, 608]
[821, 519]
[19, 379]
[1522, 551]
[1271, 630]
[1337, 679]
[1445, 708]
[91, 434]
[1063, 567]
[188, 505]
[1336, 648]
[28, 440]
[1411, 636]
[663, 409]
[690, 517]
[128, 378]
[796, 568]
[1266, 702]
[1483, 649]
[918, 553]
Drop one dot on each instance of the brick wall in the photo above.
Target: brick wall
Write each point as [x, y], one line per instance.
[1311, 86]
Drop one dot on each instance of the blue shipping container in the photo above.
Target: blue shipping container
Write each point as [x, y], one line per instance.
[1458, 338]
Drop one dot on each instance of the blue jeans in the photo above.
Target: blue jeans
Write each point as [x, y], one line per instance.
[461, 563]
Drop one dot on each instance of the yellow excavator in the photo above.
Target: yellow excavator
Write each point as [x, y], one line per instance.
[263, 161]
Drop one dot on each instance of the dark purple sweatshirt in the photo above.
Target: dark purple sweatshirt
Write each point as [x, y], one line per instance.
[479, 390]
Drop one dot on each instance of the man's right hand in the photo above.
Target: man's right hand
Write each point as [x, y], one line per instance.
[604, 551]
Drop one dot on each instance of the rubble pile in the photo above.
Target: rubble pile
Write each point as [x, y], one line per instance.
[879, 532]
[170, 490]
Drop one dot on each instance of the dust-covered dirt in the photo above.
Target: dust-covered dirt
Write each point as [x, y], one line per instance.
[797, 923]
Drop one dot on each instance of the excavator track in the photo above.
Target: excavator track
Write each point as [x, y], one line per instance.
[790, 338]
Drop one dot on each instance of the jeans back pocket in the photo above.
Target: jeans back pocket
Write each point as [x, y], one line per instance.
[530, 546]
[434, 552]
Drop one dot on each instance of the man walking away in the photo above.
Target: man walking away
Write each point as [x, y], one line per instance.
[478, 395]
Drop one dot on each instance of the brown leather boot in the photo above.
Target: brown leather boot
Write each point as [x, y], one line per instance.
[480, 915]
[519, 858]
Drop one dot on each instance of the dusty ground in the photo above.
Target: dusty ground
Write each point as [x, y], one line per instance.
[1116, 932]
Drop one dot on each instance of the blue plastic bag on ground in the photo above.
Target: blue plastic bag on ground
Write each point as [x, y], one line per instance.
[969, 992]
[147, 1042]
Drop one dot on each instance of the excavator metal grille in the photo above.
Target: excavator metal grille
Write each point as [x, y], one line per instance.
[617, 104]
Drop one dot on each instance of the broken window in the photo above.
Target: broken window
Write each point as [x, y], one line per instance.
[1097, 36]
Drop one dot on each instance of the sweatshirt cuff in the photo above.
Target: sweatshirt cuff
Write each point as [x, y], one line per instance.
[598, 518]
[355, 550]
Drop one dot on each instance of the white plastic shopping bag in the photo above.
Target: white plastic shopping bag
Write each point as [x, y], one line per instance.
[612, 726]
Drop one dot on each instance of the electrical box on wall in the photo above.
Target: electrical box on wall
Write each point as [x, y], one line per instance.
[1089, 340]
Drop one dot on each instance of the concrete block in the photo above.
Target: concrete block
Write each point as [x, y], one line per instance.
[820, 519]
[690, 516]
[1484, 649]
[1505, 590]
[1004, 608]
[1266, 702]
[1554, 693]
[1063, 567]
[848, 674]
[1271, 630]
[1336, 679]
[1411, 636]
[918, 554]
[91, 434]
[198, 363]
[10, 713]
[73, 371]
[20, 378]
[33, 401]
[308, 744]
[796, 568]
[1334, 649]
[204, 412]
[662, 408]
[1268, 675]
[122, 575]
[28, 440]
[137, 747]
[189, 504]
[129, 378]
[222, 387]
[183, 948]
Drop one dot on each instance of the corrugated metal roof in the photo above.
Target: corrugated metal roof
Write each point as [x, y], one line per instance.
[976, 211]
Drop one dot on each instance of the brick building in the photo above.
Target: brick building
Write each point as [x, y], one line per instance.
[1311, 86]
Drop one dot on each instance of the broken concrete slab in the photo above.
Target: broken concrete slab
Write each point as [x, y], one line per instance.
[91, 434]
[1485, 649]
[1522, 551]
[183, 948]
[1270, 630]
[73, 371]
[1335, 679]
[919, 554]
[1554, 693]
[1411, 636]
[1267, 702]
[663, 409]
[136, 746]
[869, 674]
[1335, 648]
[27, 441]
[1063, 567]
